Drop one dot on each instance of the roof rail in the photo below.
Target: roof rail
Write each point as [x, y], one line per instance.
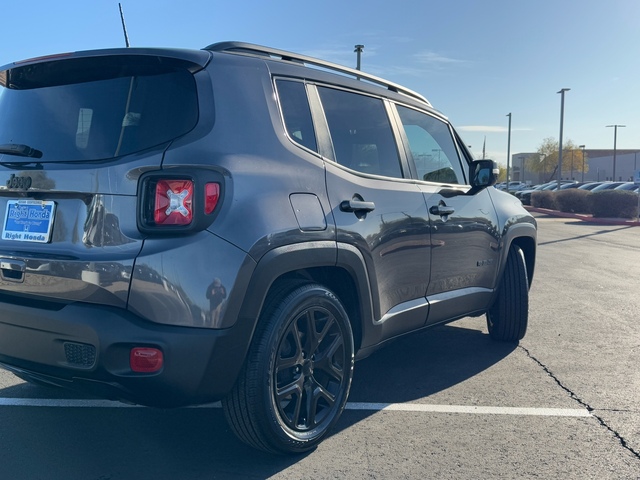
[252, 49]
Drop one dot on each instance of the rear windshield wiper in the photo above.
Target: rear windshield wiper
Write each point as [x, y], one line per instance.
[20, 150]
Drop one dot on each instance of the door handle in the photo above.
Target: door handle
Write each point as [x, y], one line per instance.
[357, 206]
[441, 210]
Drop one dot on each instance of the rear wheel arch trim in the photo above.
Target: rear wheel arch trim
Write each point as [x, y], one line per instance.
[292, 258]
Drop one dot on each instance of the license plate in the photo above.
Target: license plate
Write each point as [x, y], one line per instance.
[28, 220]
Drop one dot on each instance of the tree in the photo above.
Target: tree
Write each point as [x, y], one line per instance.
[572, 162]
[502, 176]
[546, 160]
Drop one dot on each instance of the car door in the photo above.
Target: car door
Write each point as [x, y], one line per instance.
[465, 239]
[377, 209]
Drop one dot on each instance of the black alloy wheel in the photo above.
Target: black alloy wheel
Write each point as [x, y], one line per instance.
[297, 376]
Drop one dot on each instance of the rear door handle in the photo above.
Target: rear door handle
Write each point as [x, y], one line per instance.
[357, 206]
[442, 210]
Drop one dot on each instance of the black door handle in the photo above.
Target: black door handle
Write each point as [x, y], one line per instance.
[357, 206]
[441, 210]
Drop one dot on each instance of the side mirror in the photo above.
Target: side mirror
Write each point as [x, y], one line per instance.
[483, 173]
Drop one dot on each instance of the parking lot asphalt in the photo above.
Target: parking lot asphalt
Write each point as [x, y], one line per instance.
[447, 403]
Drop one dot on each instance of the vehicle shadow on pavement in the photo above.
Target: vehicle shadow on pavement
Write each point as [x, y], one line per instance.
[416, 366]
[105, 443]
[587, 235]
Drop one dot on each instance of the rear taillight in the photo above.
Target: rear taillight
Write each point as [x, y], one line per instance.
[177, 203]
[173, 202]
[211, 197]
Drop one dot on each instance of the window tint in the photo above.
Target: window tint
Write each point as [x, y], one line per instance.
[432, 147]
[361, 133]
[96, 108]
[296, 113]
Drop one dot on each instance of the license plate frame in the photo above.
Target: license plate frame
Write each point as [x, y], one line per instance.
[29, 220]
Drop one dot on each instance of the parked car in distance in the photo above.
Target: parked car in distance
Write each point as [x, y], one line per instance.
[566, 186]
[607, 186]
[525, 195]
[628, 186]
[513, 186]
[589, 185]
[530, 188]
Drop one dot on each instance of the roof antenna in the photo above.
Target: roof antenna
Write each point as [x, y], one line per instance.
[124, 27]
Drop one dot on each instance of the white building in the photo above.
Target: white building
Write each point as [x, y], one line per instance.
[600, 166]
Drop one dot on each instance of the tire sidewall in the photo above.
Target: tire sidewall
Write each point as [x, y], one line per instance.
[500, 325]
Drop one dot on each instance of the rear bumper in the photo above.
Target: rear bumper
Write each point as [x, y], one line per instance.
[86, 347]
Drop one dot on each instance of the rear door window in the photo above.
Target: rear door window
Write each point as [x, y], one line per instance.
[361, 133]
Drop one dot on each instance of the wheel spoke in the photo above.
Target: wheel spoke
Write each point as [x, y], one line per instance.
[326, 362]
[310, 405]
[286, 363]
[320, 336]
[318, 401]
[322, 393]
[290, 400]
[290, 353]
[295, 332]
[310, 341]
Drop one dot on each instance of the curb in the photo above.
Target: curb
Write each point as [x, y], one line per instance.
[584, 218]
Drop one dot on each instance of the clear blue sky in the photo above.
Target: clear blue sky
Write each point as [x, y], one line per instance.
[476, 61]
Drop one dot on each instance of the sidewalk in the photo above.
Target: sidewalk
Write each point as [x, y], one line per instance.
[584, 217]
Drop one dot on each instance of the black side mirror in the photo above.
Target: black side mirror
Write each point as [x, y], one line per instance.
[483, 173]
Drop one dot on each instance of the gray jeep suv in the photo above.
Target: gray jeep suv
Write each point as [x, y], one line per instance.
[238, 223]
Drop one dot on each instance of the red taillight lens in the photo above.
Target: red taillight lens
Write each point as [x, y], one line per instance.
[211, 197]
[173, 202]
[146, 360]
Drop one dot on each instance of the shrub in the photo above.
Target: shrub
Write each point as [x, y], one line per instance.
[543, 199]
[614, 204]
[573, 200]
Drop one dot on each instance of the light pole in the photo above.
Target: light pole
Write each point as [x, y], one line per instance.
[561, 92]
[582, 147]
[358, 50]
[615, 139]
[522, 168]
[508, 150]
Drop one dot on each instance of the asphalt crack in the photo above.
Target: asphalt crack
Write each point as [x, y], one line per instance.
[582, 402]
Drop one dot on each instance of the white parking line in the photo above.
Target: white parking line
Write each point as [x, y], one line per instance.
[421, 407]
[398, 407]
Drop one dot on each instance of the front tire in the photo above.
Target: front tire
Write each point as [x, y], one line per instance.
[296, 378]
[508, 317]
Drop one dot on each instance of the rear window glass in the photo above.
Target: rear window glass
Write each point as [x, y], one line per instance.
[296, 113]
[97, 108]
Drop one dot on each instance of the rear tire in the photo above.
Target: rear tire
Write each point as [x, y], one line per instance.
[508, 317]
[296, 378]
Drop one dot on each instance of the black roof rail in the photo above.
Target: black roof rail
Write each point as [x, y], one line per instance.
[253, 49]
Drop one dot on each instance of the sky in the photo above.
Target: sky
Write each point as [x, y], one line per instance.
[475, 60]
